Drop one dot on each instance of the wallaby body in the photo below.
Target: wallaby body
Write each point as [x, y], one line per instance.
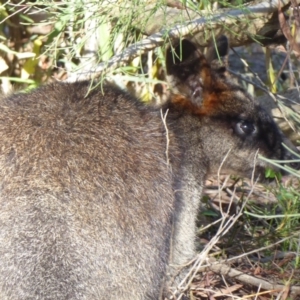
[80, 218]
[99, 193]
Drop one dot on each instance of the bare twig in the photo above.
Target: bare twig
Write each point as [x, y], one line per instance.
[249, 279]
[164, 117]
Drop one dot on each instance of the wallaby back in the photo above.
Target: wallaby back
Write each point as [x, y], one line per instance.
[86, 195]
[99, 193]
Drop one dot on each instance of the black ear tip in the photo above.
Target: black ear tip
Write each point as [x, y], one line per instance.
[222, 45]
[180, 51]
[218, 48]
[188, 46]
[222, 39]
[185, 45]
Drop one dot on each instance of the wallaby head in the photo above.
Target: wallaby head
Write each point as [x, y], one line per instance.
[99, 193]
[231, 123]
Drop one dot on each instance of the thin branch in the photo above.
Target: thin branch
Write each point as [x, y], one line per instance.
[255, 281]
[164, 118]
[235, 20]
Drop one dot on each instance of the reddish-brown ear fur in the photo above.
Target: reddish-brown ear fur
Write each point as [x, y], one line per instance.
[210, 103]
[197, 82]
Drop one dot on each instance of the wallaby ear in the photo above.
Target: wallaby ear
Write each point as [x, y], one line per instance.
[217, 52]
[187, 71]
[182, 60]
[198, 84]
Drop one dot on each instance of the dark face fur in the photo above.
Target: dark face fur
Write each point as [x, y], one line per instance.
[233, 128]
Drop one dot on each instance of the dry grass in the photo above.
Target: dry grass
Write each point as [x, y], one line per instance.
[241, 257]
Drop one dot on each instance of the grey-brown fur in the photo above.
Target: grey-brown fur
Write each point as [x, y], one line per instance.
[98, 196]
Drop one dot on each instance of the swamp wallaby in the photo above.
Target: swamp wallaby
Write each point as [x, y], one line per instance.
[99, 193]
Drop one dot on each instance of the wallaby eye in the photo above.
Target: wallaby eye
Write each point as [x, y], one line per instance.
[245, 128]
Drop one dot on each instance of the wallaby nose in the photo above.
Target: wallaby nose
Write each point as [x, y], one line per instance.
[295, 164]
[294, 157]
